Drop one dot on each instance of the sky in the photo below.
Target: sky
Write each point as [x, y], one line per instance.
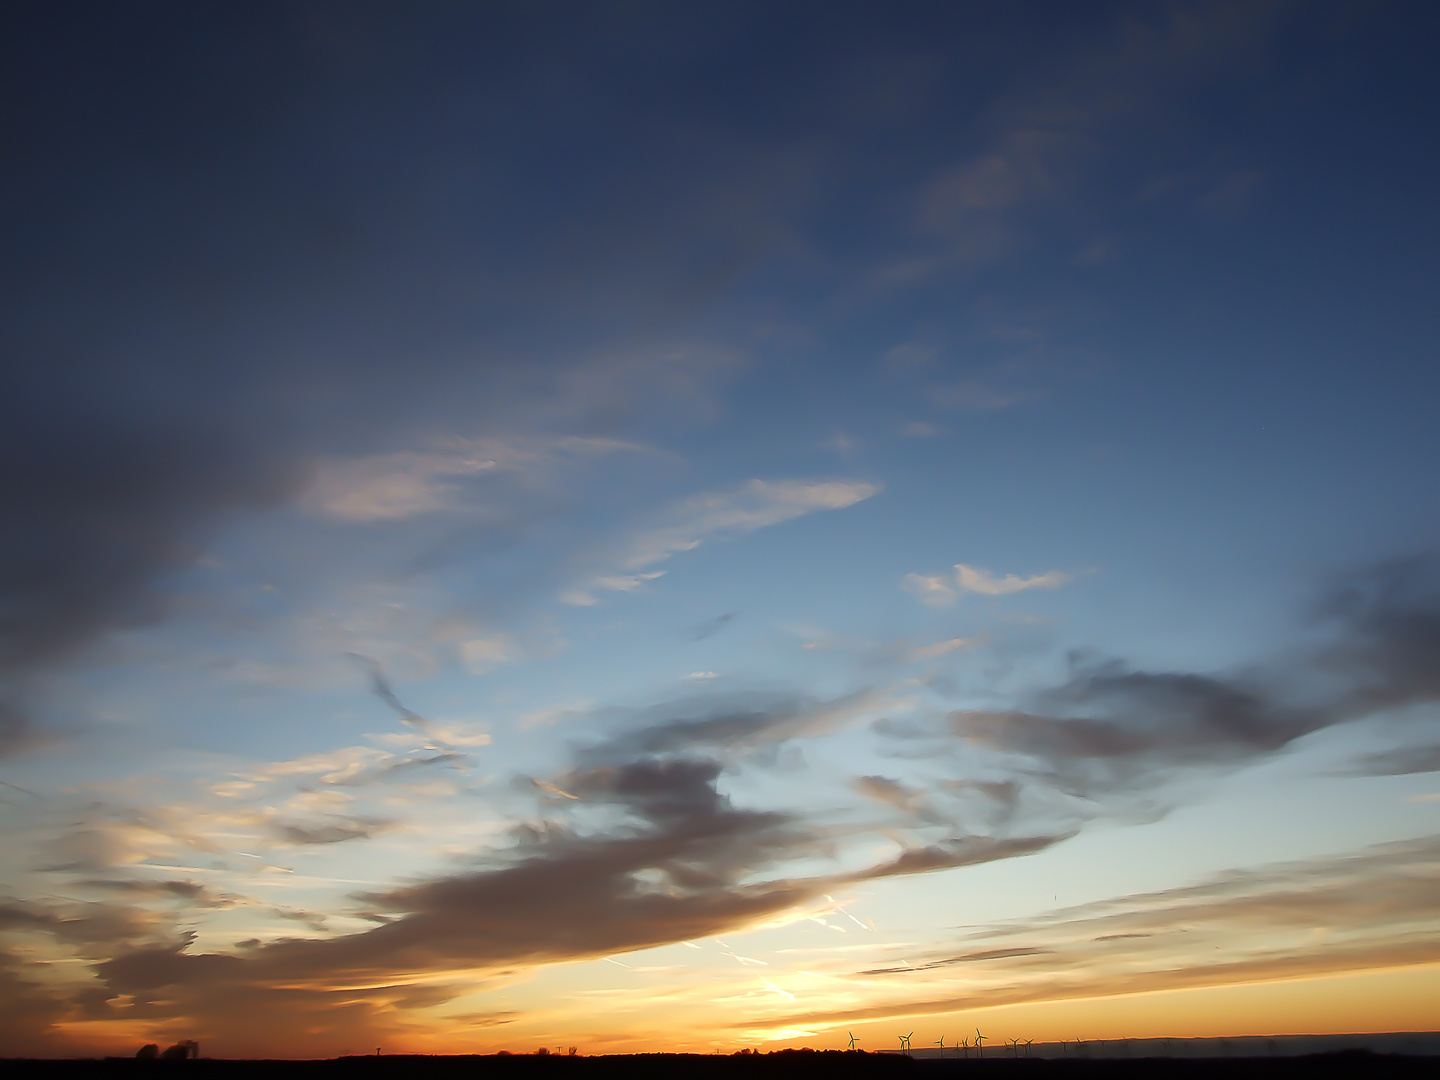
[655, 526]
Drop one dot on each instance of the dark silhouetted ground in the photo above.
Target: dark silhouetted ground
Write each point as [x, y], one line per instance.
[831, 1064]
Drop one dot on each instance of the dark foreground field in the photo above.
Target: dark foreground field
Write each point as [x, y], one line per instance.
[832, 1065]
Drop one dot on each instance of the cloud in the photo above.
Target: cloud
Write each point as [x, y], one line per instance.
[961, 851]
[31, 1009]
[1377, 909]
[729, 723]
[196, 352]
[943, 648]
[919, 429]
[1044, 159]
[640, 844]
[110, 837]
[932, 590]
[390, 487]
[97, 513]
[890, 792]
[192, 892]
[392, 768]
[1402, 762]
[757, 504]
[1107, 727]
[484, 654]
[973, 579]
[94, 930]
[1386, 626]
[626, 582]
[642, 848]
[975, 395]
[330, 832]
[1109, 730]
[674, 874]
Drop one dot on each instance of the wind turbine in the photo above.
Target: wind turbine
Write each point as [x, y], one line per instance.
[980, 1042]
[940, 1042]
[964, 1045]
[1027, 1046]
[1014, 1047]
[852, 1039]
[905, 1043]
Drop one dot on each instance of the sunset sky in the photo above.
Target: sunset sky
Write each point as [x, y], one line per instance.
[715, 525]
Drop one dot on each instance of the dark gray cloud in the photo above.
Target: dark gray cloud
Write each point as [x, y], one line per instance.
[671, 874]
[95, 513]
[330, 832]
[719, 723]
[1387, 626]
[96, 930]
[674, 860]
[961, 851]
[30, 1009]
[1108, 727]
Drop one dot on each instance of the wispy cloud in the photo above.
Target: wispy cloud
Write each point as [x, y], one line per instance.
[944, 648]
[757, 504]
[930, 589]
[973, 579]
[938, 590]
[390, 487]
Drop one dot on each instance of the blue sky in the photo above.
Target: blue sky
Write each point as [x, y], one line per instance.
[822, 516]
